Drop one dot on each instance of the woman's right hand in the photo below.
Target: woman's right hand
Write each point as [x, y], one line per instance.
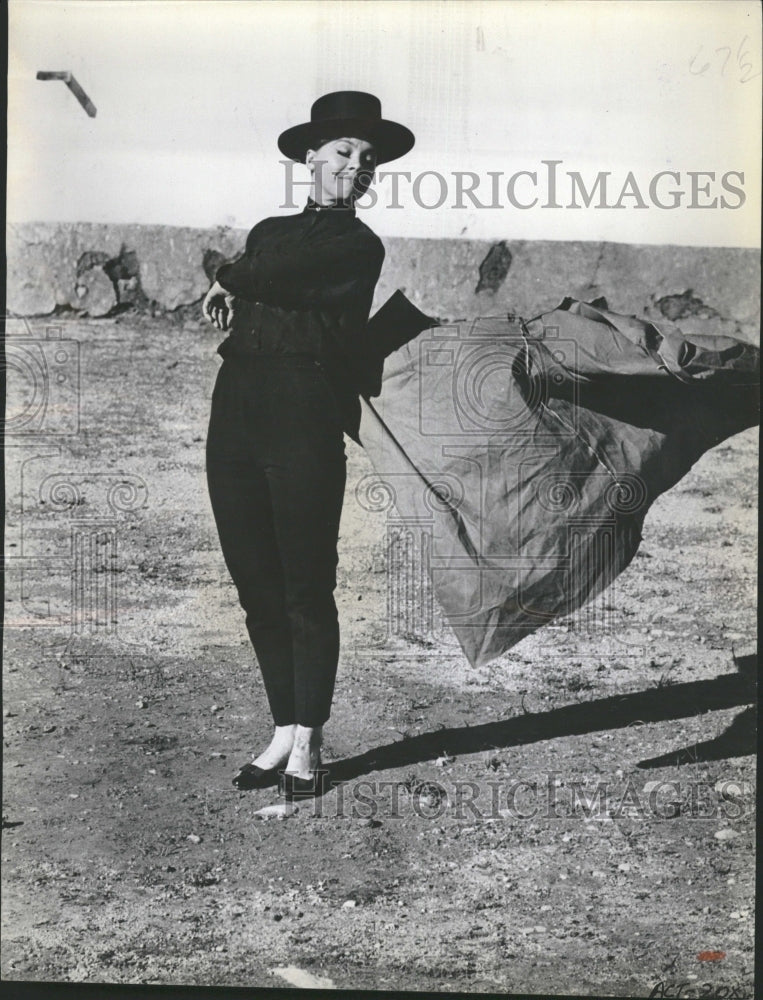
[218, 306]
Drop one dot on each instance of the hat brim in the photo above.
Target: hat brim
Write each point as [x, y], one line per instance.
[389, 139]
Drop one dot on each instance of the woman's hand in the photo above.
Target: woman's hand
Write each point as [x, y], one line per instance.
[218, 306]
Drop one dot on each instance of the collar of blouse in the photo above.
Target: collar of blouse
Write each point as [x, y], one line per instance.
[339, 206]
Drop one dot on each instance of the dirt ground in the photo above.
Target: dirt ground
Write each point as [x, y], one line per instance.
[576, 818]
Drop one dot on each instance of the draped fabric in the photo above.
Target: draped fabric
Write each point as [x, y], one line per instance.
[530, 452]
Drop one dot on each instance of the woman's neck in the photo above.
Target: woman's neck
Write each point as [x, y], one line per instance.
[316, 202]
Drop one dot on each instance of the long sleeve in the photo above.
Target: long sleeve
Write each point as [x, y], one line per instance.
[304, 273]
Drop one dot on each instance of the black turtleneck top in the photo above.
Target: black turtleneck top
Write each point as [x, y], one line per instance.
[304, 286]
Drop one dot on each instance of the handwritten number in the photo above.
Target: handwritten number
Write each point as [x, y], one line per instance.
[698, 72]
[747, 67]
[672, 989]
[744, 62]
[727, 50]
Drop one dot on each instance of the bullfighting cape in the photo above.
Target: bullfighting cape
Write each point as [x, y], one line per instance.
[533, 450]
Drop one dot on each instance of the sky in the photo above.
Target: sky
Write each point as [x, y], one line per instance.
[191, 97]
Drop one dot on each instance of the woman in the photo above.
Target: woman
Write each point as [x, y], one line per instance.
[297, 357]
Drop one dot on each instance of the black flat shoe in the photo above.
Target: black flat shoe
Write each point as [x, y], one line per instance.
[293, 788]
[252, 776]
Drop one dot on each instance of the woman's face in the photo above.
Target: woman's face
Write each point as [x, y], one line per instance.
[342, 169]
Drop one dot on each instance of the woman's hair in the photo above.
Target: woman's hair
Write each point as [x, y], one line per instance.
[335, 138]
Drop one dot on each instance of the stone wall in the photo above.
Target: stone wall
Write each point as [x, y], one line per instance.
[98, 270]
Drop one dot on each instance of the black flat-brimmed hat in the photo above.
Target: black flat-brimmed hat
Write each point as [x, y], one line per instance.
[349, 113]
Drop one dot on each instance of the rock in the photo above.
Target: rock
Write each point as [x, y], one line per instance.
[42, 265]
[494, 268]
[349, 904]
[30, 279]
[726, 834]
[124, 272]
[281, 810]
[91, 259]
[176, 276]
[211, 261]
[301, 979]
[28, 297]
[94, 293]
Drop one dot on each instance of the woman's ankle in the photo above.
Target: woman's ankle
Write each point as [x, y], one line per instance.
[311, 736]
[278, 750]
[305, 755]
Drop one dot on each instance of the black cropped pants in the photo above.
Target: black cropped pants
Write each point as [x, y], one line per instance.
[276, 470]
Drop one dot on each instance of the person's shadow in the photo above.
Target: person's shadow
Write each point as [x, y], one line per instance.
[658, 704]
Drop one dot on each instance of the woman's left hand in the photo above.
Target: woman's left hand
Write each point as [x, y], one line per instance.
[218, 306]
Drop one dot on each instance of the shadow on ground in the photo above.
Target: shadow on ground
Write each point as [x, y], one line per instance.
[659, 704]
